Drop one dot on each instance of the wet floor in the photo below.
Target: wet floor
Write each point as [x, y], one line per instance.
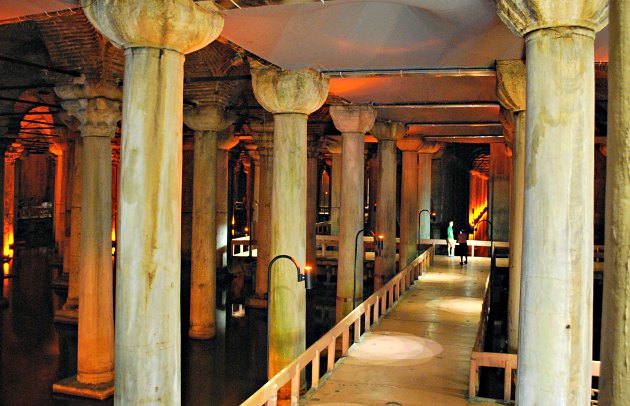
[36, 352]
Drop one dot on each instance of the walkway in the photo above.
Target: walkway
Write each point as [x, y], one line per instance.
[419, 354]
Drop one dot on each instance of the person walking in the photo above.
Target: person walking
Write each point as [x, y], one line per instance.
[450, 239]
[462, 247]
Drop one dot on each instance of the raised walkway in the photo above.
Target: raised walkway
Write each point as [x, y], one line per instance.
[419, 353]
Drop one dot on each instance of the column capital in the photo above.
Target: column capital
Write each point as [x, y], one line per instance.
[226, 141]
[97, 106]
[212, 117]
[429, 147]
[285, 91]
[333, 144]
[507, 119]
[525, 16]
[388, 130]
[511, 84]
[409, 144]
[353, 118]
[183, 26]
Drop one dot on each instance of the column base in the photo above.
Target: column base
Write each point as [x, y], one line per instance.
[202, 333]
[70, 386]
[256, 302]
[67, 316]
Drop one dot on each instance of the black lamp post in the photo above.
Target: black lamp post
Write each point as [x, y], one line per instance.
[308, 284]
[378, 247]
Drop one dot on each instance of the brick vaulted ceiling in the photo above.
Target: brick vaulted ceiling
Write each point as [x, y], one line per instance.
[437, 104]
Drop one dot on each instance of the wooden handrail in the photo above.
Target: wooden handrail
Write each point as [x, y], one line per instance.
[372, 308]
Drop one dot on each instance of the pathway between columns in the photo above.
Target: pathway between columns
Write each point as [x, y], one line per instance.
[419, 354]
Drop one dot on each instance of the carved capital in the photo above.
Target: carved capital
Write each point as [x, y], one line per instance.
[226, 141]
[333, 144]
[281, 91]
[512, 84]
[388, 131]
[353, 118]
[525, 16]
[409, 144]
[212, 117]
[183, 26]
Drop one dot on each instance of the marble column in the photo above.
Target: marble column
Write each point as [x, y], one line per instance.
[408, 250]
[386, 133]
[312, 159]
[615, 358]
[155, 35]
[10, 156]
[3, 147]
[353, 121]
[291, 96]
[206, 121]
[555, 343]
[333, 144]
[263, 135]
[499, 205]
[511, 92]
[59, 148]
[97, 107]
[425, 161]
[224, 144]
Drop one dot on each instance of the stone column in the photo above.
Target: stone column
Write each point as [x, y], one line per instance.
[255, 162]
[10, 156]
[333, 144]
[425, 160]
[499, 206]
[97, 107]
[555, 340]
[207, 121]
[615, 374]
[224, 144]
[155, 35]
[312, 159]
[408, 201]
[290, 96]
[511, 92]
[386, 134]
[3, 147]
[353, 122]
[263, 135]
[59, 148]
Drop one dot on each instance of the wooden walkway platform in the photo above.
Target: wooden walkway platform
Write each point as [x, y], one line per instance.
[419, 354]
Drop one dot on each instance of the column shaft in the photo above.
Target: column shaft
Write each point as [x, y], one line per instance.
[148, 269]
[516, 228]
[287, 310]
[335, 196]
[351, 220]
[614, 388]
[222, 208]
[385, 266]
[264, 222]
[424, 195]
[9, 206]
[96, 319]
[203, 260]
[74, 256]
[408, 209]
[311, 205]
[556, 298]
[499, 192]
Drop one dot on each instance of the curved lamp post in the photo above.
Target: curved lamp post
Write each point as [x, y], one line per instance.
[306, 277]
[378, 241]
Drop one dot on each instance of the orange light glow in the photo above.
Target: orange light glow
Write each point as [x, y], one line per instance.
[308, 269]
[380, 237]
[5, 268]
[113, 234]
[7, 252]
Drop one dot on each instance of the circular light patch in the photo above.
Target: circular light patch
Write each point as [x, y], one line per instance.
[394, 349]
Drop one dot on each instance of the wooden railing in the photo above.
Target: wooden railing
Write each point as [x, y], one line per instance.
[370, 311]
[507, 362]
[471, 243]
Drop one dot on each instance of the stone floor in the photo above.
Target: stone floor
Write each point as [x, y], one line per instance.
[419, 354]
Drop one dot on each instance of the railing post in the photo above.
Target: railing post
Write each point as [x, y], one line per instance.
[315, 371]
[295, 386]
[472, 384]
[357, 330]
[345, 341]
[331, 354]
[367, 318]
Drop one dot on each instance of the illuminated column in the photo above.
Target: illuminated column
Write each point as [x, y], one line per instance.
[263, 135]
[155, 35]
[59, 148]
[10, 156]
[408, 201]
[225, 143]
[499, 205]
[291, 96]
[511, 93]
[353, 121]
[3, 147]
[333, 144]
[207, 121]
[425, 159]
[312, 154]
[555, 343]
[386, 134]
[97, 107]
[615, 361]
